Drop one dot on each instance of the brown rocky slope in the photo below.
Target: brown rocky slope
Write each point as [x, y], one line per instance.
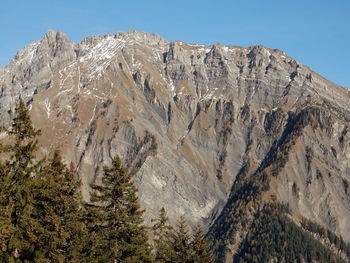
[188, 119]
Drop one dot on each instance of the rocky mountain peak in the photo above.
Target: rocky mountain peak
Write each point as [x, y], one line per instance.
[189, 120]
[146, 38]
[53, 36]
[52, 45]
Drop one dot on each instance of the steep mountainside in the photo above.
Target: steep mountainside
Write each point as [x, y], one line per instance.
[200, 127]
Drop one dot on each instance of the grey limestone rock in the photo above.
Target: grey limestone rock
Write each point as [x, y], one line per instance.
[186, 118]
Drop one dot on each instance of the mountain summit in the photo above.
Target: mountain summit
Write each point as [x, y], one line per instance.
[199, 127]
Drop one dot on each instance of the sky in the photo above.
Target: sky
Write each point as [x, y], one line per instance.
[314, 32]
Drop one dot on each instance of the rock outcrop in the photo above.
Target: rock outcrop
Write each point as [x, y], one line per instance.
[187, 119]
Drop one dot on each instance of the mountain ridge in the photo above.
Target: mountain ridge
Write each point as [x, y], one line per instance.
[189, 120]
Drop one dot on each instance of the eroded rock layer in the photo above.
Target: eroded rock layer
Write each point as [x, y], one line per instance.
[187, 119]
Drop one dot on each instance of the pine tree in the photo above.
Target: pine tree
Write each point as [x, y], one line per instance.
[115, 220]
[162, 232]
[58, 227]
[181, 243]
[201, 248]
[15, 197]
[40, 219]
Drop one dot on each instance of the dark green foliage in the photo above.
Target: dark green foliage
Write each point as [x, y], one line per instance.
[162, 232]
[41, 216]
[181, 242]
[57, 224]
[40, 219]
[326, 233]
[177, 245]
[244, 200]
[201, 248]
[274, 236]
[16, 198]
[114, 220]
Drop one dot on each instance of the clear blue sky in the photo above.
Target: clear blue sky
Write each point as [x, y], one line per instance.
[315, 32]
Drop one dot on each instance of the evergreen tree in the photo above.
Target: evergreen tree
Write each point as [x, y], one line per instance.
[40, 219]
[115, 220]
[162, 232]
[15, 197]
[58, 220]
[177, 245]
[201, 248]
[181, 243]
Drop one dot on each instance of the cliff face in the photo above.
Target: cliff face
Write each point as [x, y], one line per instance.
[188, 119]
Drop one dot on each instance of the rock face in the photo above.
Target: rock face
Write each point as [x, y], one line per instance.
[186, 119]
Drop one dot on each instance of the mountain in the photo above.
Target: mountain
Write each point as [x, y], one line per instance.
[214, 133]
